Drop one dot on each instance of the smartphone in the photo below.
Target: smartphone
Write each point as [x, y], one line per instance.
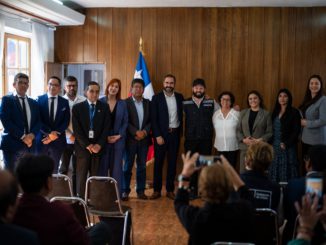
[314, 186]
[206, 160]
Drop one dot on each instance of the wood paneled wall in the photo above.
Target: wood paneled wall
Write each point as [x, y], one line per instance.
[236, 49]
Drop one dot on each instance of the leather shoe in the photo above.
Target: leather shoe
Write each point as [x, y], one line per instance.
[170, 195]
[142, 196]
[125, 196]
[155, 195]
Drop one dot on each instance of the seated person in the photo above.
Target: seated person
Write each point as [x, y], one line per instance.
[296, 188]
[54, 222]
[258, 159]
[217, 220]
[308, 219]
[11, 234]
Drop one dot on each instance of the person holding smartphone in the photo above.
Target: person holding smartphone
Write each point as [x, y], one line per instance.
[217, 220]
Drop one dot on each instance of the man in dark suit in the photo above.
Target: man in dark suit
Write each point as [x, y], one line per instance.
[138, 139]
[166, 118]
[91, 123]
[296, 188]
[9, 233]
[21, 121]
[55, 116]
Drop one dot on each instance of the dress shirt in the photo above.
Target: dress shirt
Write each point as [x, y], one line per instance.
[55, 104]
[225, 130]
[172, 110]
[28, 109]
[77, 100]
[140, 111]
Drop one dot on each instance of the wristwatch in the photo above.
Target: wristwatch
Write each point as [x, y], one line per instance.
[183, 178]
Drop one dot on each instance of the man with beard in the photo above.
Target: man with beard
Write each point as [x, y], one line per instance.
[166, 117]
[198, 125]
[71, 87]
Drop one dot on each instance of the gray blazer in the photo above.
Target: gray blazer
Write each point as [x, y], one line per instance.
[315, 131]
[262, 127]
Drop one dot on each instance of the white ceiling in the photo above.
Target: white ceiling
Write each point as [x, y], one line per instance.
[199, 3]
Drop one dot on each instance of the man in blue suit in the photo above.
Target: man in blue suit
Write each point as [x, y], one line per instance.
[55, 117]
[21, 121]
[166, 118]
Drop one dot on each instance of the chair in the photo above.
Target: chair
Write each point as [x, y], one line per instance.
[79, 207]
[266, 227]
[61, 186]
[103, 199]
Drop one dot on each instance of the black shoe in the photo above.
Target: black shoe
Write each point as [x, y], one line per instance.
[125, 196]
[170, 195]
[142, 196]
[155, 195]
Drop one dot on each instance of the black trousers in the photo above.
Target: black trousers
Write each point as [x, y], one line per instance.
[203, 147]
[170, 148]
[67, 156]
[231, 156]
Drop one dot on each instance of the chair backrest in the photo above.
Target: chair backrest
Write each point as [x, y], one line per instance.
[262, 198]
[61, 186]
[79, 207]
[102, 194]
[266, 227]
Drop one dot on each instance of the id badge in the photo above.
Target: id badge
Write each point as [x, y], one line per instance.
[91, 134]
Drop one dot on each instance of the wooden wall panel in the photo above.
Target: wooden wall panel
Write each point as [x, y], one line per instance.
[90, 36]
[237, 49]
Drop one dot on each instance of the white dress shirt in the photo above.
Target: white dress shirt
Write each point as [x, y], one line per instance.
[69, 130]
[28, 109]
[140, 111]
[171, 102]
[225, 130]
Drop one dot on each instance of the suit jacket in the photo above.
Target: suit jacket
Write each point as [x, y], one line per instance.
[11, 115]
[160, 114]
[120, 123]
[262, 127]
[61, 122]
[216, 221]
[81, 125]
[133, 122]
[55, 223]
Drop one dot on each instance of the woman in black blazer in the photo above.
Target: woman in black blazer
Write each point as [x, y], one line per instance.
[286, 130]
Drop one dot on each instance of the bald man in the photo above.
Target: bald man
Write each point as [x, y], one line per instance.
[11, 234]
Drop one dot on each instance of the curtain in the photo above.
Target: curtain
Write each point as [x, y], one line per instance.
[42, 46]
[2, 37]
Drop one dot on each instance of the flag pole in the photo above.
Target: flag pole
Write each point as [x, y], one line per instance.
[141, 46]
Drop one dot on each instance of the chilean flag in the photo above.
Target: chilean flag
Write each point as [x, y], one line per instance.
[142, 73]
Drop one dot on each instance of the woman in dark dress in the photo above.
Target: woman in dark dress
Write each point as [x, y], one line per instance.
[286, 130]
[111, 162]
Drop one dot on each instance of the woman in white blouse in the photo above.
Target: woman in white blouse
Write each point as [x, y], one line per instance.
[225, 121]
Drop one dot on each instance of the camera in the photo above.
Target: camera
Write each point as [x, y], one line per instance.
[207, 160]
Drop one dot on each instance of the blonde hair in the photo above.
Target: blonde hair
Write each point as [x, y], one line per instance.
[259, 156]
[214, 184]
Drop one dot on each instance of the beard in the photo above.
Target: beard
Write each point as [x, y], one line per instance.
[198, 95]
[168, 89]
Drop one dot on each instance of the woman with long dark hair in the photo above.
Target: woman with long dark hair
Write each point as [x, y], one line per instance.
[286, 129]
[313, 112]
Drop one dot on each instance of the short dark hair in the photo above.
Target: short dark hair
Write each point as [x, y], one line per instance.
[138, 80]
[317, 156]
[55, 77]
[170, 75]
[226, 93]
[92, 83]
[71, 79]
[199, 81]
[8, 192]
[20, 75]
[33, 171]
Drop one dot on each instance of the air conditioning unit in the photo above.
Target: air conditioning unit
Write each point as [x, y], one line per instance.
[48, 12]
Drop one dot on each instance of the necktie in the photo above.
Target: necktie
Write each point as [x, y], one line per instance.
[24, 115]
[92, 113]
[52, 111]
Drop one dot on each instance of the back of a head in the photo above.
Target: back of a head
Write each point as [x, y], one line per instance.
[259, 156]
[317, 156]
[33, 171]
[8, 192]
[214, 184]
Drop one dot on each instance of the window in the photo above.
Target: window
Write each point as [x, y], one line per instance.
[16, 59]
